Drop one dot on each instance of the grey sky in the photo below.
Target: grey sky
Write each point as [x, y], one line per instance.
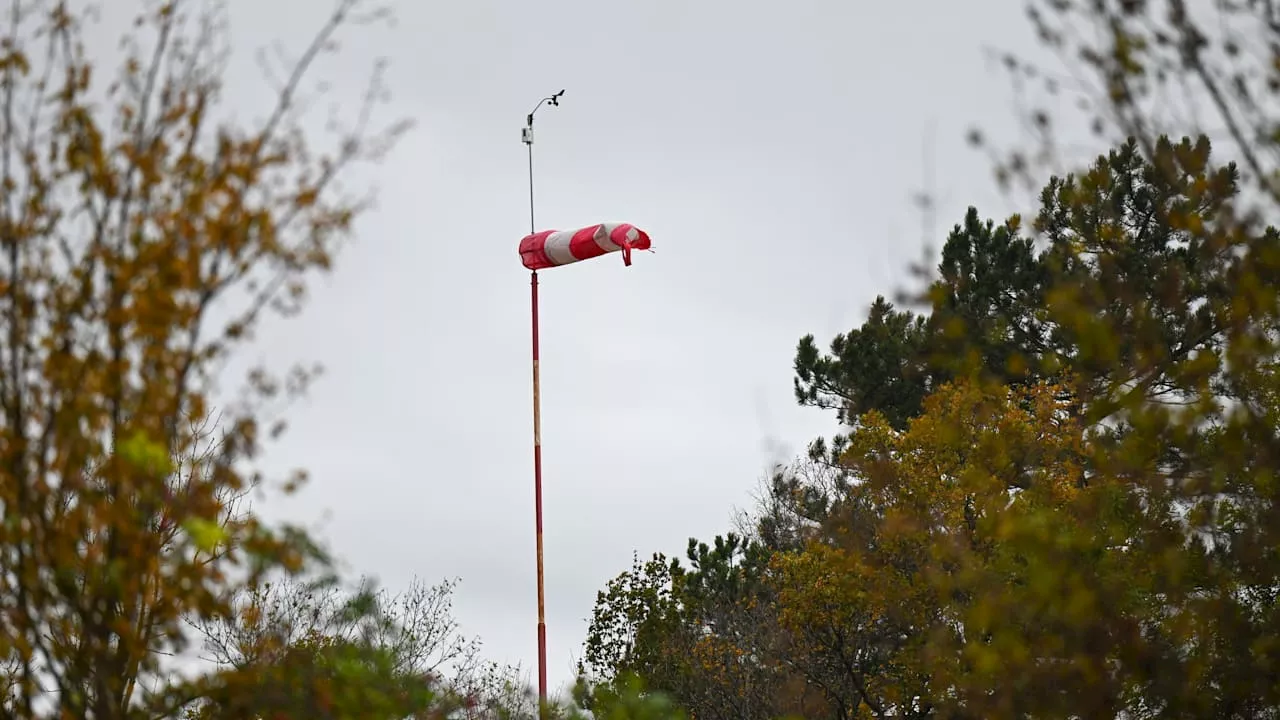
[770, 149]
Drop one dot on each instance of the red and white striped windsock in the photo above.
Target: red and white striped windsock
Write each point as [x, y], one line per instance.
[552, 248]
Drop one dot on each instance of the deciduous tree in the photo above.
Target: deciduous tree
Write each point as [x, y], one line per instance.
[1069, 512]
[414, 631]
[143, 237]
[1128, 573]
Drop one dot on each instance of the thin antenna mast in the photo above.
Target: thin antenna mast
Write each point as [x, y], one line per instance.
[526, 136]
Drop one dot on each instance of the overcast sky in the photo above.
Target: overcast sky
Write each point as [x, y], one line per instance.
[769, 148]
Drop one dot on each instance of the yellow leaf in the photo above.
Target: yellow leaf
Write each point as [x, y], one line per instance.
[206, 534]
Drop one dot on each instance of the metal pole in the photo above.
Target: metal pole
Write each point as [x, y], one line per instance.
[528, 140]
[537, 502]
[537, 430]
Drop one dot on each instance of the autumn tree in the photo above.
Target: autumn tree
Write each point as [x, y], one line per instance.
[1092, 545]
[1058, 494]
[873, 600]
[1051, 497]
[142, 239]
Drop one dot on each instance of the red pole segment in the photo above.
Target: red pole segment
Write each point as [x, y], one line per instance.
[537, 491]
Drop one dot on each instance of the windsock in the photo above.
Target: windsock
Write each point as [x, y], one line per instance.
[552, 248]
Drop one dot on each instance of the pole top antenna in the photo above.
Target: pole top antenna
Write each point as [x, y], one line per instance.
[553, 100]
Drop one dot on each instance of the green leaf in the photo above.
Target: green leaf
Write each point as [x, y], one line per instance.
[147, 455]
[206, 534]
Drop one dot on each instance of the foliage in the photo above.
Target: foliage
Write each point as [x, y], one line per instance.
[1143, 69]
[797, 498]
[873, 599]
[1122, 293]
[880, 365]
[322, 677]
[142, 240]
[625, 699]
[1065, 505]
[416, 627]
[401, 655]
[701, 634]
[635, 614]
